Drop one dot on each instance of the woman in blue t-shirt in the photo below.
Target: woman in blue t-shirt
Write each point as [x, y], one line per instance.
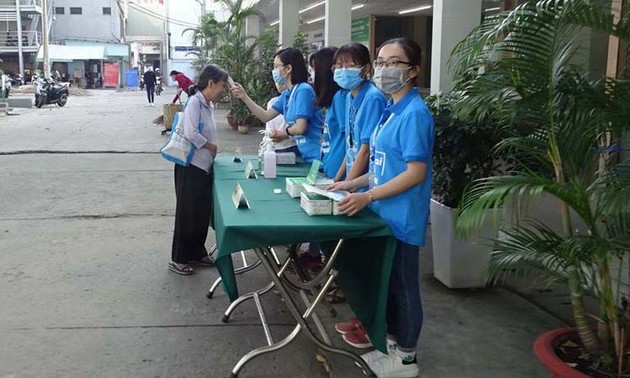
[332, 101]
[296, 103]
[365, 104]
[399, 182]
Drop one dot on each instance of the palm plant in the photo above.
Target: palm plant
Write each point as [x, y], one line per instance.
[522, 69]
[235, 51]
[206, 37]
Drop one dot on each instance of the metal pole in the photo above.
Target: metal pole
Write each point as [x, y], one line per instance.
[45, 38]
[19, 36]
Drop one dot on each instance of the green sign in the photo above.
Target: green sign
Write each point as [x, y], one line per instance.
[361, 29]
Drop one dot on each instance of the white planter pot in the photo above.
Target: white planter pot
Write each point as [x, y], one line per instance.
[458, 263]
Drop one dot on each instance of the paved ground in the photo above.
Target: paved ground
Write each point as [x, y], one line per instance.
[84, 289]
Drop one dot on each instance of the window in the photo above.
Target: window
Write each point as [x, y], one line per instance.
[77, 10]
[107, 10]
[60, 10]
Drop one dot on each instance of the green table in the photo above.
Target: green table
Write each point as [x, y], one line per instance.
[364, 264]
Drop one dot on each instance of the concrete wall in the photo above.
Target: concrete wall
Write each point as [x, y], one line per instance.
[188, 11]
[91, 25]
[141, 24]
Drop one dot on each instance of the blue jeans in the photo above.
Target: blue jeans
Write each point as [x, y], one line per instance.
[404, 307]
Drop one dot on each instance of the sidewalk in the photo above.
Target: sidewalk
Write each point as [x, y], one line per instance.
[84, 242]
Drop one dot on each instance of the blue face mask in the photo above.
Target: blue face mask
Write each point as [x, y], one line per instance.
[348, 78]
[277, 77]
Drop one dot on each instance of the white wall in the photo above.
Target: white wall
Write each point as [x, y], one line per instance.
[92, 24]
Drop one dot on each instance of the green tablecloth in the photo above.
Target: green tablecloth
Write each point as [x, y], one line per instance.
[277, 219]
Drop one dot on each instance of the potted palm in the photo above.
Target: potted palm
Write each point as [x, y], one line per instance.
[462, 153]
[563, 121]
[225, 44]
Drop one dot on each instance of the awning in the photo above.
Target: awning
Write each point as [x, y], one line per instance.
[63, 53]
[112, 50]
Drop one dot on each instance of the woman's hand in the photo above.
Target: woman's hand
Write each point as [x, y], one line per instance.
[238, 91]
[213, 148]
[342, 185]
[354, 203]
[278, 135]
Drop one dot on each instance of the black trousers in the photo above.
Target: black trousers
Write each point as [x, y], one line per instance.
[193, 213]
[151, 93]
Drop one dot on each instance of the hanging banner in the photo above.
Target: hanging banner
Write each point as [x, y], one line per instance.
[110, 76]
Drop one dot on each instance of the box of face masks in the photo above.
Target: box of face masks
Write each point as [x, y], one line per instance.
[314, 204]
[294, 185]
[285, 158]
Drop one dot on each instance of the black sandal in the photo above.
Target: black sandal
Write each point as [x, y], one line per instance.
[182, 269]
[206, 261]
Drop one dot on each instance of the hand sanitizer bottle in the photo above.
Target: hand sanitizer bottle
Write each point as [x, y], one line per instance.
[269, 160]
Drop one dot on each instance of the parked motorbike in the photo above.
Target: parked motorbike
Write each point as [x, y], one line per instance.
[49, 92]
[158, 85]
[17, 80]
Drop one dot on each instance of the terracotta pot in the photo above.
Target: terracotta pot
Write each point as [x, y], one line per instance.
[232, 122]
[544, 350]
[243, 129]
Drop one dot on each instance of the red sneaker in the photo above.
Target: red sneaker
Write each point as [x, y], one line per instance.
[350, 326]
[358, 339]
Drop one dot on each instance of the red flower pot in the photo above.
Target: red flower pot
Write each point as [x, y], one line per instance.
[232, 122]
[544, 349]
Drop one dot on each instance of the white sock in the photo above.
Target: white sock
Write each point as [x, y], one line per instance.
[406, 356]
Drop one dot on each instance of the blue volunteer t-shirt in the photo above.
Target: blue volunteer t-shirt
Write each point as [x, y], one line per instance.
[362, 115]
[405, 133]
[301, 104]
[334, 145]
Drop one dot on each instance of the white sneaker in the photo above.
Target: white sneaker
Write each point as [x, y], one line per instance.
[152, 104]
[392, 367]
[371, 357]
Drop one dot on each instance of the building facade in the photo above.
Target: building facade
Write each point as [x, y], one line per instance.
[95, 20]
[87, 42]
[20, 34]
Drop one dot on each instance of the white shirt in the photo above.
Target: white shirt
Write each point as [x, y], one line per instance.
[278, 124]
[198, 112]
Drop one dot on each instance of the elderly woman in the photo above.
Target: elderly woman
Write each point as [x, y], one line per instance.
[193, 183]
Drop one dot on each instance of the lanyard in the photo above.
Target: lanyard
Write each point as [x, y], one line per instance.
[353, 112]
[382, 125]
[286, 106]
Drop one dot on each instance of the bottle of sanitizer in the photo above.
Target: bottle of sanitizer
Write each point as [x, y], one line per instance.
[269, 162]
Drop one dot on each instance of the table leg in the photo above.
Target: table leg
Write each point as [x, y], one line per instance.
[264, 256]
[241, 270]
[264, 290]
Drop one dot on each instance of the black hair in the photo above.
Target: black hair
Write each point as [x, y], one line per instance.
[174, 73]
[294, 57]
[356, 52]
[412, 50]
[325, 85]
[210, 73]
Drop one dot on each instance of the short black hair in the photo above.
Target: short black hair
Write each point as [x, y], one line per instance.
[210, 73]
[412, 50]
[174, 73]
[355, 52]
[325, 85]
[294, 57]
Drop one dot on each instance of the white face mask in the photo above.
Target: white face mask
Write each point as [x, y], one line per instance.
[311, 72]
[390, 80]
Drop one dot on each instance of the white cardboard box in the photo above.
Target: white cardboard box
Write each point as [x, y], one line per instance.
[294, 185]
[314, 204]
[285, 158]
